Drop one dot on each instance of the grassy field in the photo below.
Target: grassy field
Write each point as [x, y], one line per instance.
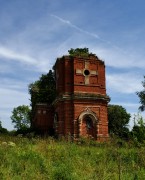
[36, 158]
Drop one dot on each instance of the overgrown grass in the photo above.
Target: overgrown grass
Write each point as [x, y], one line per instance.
[38, 158]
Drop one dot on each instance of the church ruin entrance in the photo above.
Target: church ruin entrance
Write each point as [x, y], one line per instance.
[88, 124]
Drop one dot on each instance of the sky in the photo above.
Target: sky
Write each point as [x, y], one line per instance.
[33, 33]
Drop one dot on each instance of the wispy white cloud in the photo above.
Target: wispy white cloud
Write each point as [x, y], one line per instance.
[40, 63]
[117, 59]
[12, 98]
[16, 56]
[123, 82]
[13, 84]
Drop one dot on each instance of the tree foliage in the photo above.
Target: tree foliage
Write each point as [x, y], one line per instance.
[3, 130]
[43, 90]
[141, 95]
[79, 52]
[21, 117]
[0, 124]
[138, 130]
[118, 120]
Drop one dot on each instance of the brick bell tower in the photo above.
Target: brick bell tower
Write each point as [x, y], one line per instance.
[81, 104]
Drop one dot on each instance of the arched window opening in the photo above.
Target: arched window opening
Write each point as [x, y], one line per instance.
[89, 123]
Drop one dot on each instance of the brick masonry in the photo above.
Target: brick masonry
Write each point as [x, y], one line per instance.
[80, 109]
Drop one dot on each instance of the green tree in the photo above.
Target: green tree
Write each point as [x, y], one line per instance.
[138, 130]
[43, 90]
[3, 130]
[21, 117]
[118, 120]
[141, 95]
[0, 124]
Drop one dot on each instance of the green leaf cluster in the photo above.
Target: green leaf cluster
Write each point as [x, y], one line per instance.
[21, 117]
[138, 131]
[141, 95]
[118, 120]
[3, 130]
[43, 90]
[84, 52]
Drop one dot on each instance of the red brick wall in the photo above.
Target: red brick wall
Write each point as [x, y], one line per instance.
[79, 96]
[68, 81]
[69, 107]
[97, 82]
[43, 118]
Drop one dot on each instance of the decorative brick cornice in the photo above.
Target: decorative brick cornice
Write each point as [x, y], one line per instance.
[82, 96]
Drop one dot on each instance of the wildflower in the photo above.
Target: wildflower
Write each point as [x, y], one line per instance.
[4, 143]
[11, 144]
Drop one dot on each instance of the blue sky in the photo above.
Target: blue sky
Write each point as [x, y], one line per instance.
[33, 33]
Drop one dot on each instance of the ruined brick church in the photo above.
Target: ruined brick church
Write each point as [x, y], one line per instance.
[80, 108]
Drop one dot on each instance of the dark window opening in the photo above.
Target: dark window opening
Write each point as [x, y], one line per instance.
[89, 123]
[86, 72]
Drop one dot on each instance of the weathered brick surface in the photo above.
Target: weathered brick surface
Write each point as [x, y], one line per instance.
[81, 105]
[43, 118]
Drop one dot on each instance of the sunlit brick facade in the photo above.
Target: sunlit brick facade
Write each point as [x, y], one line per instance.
[80, 109]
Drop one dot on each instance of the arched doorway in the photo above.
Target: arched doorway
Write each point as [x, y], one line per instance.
[88, 124]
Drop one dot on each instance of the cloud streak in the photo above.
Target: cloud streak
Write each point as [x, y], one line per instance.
[9, 54]
[96, 36]
[41, 63]
[76, 27]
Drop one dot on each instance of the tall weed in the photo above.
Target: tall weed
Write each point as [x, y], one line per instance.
[38, 158]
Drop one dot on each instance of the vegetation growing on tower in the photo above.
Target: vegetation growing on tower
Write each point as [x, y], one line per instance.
[43, 90]
[84, 52]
